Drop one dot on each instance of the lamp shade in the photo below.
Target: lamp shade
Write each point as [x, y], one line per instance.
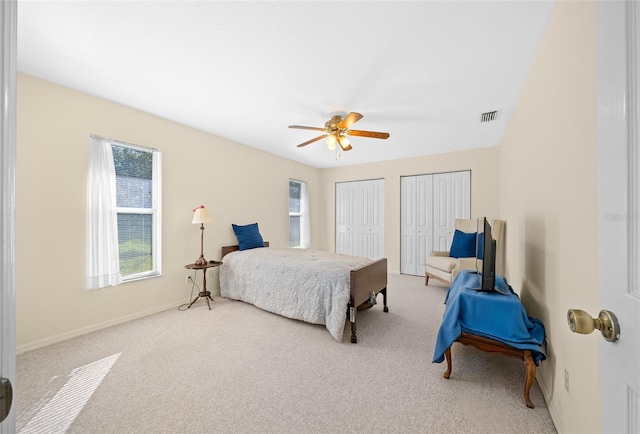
[201, 215]
[344, 142]
[331, 142]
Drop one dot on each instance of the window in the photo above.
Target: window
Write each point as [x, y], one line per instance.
[124, 213]
[135, 199]
[298, 214]
[295, 190]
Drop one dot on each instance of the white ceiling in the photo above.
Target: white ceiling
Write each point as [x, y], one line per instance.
[423, 71]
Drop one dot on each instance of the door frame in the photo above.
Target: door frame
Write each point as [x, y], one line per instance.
[8, 53]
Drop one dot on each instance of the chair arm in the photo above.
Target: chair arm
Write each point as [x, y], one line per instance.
[440, 253]
[465, 264]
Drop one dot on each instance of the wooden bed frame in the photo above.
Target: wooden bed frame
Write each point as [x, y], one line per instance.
[365, 280]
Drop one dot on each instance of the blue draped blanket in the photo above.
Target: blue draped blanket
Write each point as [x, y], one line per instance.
[495, 315]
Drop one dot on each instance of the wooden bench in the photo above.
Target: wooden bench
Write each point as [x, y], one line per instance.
[491, 346]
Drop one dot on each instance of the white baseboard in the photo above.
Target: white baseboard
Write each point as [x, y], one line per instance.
[556, 416]
[92, 328]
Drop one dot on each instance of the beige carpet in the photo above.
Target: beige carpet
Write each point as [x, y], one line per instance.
[239, 369]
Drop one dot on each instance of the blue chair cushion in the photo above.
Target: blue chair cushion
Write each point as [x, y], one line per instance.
[463, 245]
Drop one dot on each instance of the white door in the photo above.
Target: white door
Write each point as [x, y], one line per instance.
[416, 226]
[345, 218]
[429, 206]
[408, 225]
[443, 224]
[617, 55]
[451, 201]
[8, 31]
[424, 221]
[371, 224]
[360, 218]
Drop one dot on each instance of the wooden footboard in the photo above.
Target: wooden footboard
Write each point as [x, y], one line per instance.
[365, 280]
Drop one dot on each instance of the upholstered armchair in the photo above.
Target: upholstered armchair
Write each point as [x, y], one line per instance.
[444, 267]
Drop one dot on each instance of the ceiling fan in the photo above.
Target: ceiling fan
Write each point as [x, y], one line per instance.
[335, 130]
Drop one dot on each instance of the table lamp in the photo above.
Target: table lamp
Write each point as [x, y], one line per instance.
[201, 215]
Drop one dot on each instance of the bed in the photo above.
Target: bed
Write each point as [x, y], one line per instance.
[308, 285]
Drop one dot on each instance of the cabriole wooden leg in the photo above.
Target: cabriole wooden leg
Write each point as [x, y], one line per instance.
[530, 367]
[447, 354]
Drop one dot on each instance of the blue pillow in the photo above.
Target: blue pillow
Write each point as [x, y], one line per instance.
[248, 236]
[463, 245]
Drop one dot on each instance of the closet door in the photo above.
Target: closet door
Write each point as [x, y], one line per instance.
[451, 200]
[429, 206]
[346, 227]
[360, 218]
[371, 214]
[424, 219]
[416, 230]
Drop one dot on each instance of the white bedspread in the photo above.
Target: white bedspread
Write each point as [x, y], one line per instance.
[307, 285]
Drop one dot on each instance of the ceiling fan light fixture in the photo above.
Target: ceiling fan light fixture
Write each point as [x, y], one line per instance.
[345, 144]
[335, 129]
[331, 142]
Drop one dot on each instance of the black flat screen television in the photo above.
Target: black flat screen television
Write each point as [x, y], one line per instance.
[488, 256]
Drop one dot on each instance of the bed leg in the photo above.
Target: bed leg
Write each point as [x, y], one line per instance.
[352, 318]
[384, 299]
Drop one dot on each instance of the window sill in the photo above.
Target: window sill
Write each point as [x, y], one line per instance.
[141, 276]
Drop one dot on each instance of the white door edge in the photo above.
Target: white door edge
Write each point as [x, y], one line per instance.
[8, 50]
[616, 25]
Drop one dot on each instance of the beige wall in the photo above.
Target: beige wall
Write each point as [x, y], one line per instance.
[485, 188]
[549, 199]
[237, 183]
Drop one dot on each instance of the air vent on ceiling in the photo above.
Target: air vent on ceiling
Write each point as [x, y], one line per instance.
[489, 116]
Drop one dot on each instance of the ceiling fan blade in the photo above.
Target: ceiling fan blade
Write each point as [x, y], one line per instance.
[349, 120]
[312, 140]
[302, 127]
[372, 134]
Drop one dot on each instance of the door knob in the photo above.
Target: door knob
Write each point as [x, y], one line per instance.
[6, 398]
[581, 322]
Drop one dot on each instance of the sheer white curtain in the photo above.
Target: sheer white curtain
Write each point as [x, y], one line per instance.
[305, 224]
[103, 261]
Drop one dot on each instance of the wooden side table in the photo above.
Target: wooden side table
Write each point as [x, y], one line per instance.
[204, 293]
